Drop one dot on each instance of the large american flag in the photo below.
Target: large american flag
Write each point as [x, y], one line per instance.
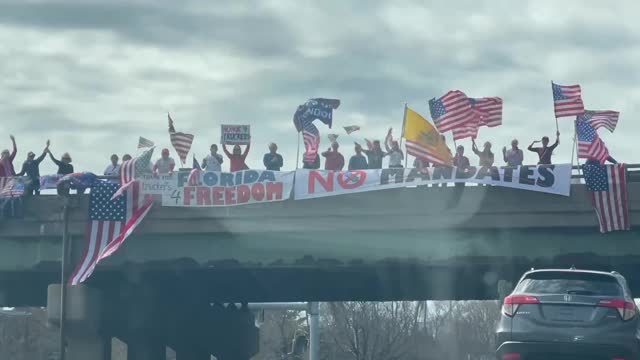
[567, 100]
[489, 109]
[133, 168]
[607, 119]
[180, 141]
[110, 223]
[451, 111]
[607, 185]
[590, 145]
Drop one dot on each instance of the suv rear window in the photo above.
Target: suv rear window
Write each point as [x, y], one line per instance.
[564, 282]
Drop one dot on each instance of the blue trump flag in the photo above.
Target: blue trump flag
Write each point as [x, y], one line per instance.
[318, 108]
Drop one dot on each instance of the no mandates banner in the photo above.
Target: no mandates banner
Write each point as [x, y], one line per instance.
[553, 179]
[213, 189]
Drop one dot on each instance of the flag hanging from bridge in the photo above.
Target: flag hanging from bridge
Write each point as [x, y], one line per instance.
[567, 100]
[180, 141]
[110, 223]
[13, 186]
[607, 185]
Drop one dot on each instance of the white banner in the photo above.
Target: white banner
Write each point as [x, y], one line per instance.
[553, 179]
[212, 189]
[235, 134]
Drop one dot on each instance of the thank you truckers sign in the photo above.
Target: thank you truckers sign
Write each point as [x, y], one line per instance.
[235, 134]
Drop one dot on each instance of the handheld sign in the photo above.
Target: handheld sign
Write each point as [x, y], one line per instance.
[235, 134]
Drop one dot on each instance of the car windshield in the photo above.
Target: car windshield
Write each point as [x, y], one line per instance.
[570, 283]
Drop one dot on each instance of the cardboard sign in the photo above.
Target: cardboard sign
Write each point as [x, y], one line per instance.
[235, 134]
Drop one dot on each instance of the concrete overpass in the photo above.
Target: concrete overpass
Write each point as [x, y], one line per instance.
[402, 244]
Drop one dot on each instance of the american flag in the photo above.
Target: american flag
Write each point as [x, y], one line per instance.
[451, 111]
[110, 223]
[133, 168]
[607, 119]
[311, 137]
[144, 143]
[469, 130]
[318, 108]
[489, 109]
[607, 185]
[12, 186]
[590, 146]
[180, 141]
[567, 100]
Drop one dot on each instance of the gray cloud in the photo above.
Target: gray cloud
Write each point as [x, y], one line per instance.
[95, 75]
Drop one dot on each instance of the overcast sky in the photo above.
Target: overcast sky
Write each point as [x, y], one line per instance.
[93, 76]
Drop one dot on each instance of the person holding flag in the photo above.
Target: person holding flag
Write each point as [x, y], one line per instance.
[545, 152]
[164, 165]
[486, 157]
[374, 154]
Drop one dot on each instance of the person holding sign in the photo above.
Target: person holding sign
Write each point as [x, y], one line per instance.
[545, 152]
[237, 158]
[272, 160]
[213, 161]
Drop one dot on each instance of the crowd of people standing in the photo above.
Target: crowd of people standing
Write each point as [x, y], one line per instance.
[369, 158]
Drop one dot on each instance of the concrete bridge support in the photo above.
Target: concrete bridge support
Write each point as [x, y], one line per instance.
[148, 319]
[84, 338]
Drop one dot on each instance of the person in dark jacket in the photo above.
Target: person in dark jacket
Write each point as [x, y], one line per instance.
[64, 164]
[358, 161]
[272, 160]
[31, 168]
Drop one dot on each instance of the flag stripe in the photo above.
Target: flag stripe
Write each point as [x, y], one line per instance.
[423, 152]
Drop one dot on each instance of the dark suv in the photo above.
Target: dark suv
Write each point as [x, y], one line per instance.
[569, 314]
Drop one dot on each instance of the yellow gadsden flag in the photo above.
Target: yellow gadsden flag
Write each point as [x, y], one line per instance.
[424, 141]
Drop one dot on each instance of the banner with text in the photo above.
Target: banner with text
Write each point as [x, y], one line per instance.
[553, 179]
[208, 188]
[235, 134]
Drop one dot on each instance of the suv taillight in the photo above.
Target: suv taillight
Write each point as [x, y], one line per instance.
[626, 309]
[512, 303]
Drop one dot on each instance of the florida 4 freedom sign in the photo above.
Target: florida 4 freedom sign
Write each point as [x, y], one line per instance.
[212, 189]
[553, 179]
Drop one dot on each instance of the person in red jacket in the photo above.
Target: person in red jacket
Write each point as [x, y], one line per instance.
[237, 158]
[334, 160]
[6, 160]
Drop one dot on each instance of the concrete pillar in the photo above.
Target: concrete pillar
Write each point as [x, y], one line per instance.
[88, 347]
[193, 353]
[146, 349]
[83, 337]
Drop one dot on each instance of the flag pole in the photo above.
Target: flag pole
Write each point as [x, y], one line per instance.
[557, 128]
[298, 153]
[404, 123]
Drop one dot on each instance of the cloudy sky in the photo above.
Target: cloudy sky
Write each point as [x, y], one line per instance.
[94, 75]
